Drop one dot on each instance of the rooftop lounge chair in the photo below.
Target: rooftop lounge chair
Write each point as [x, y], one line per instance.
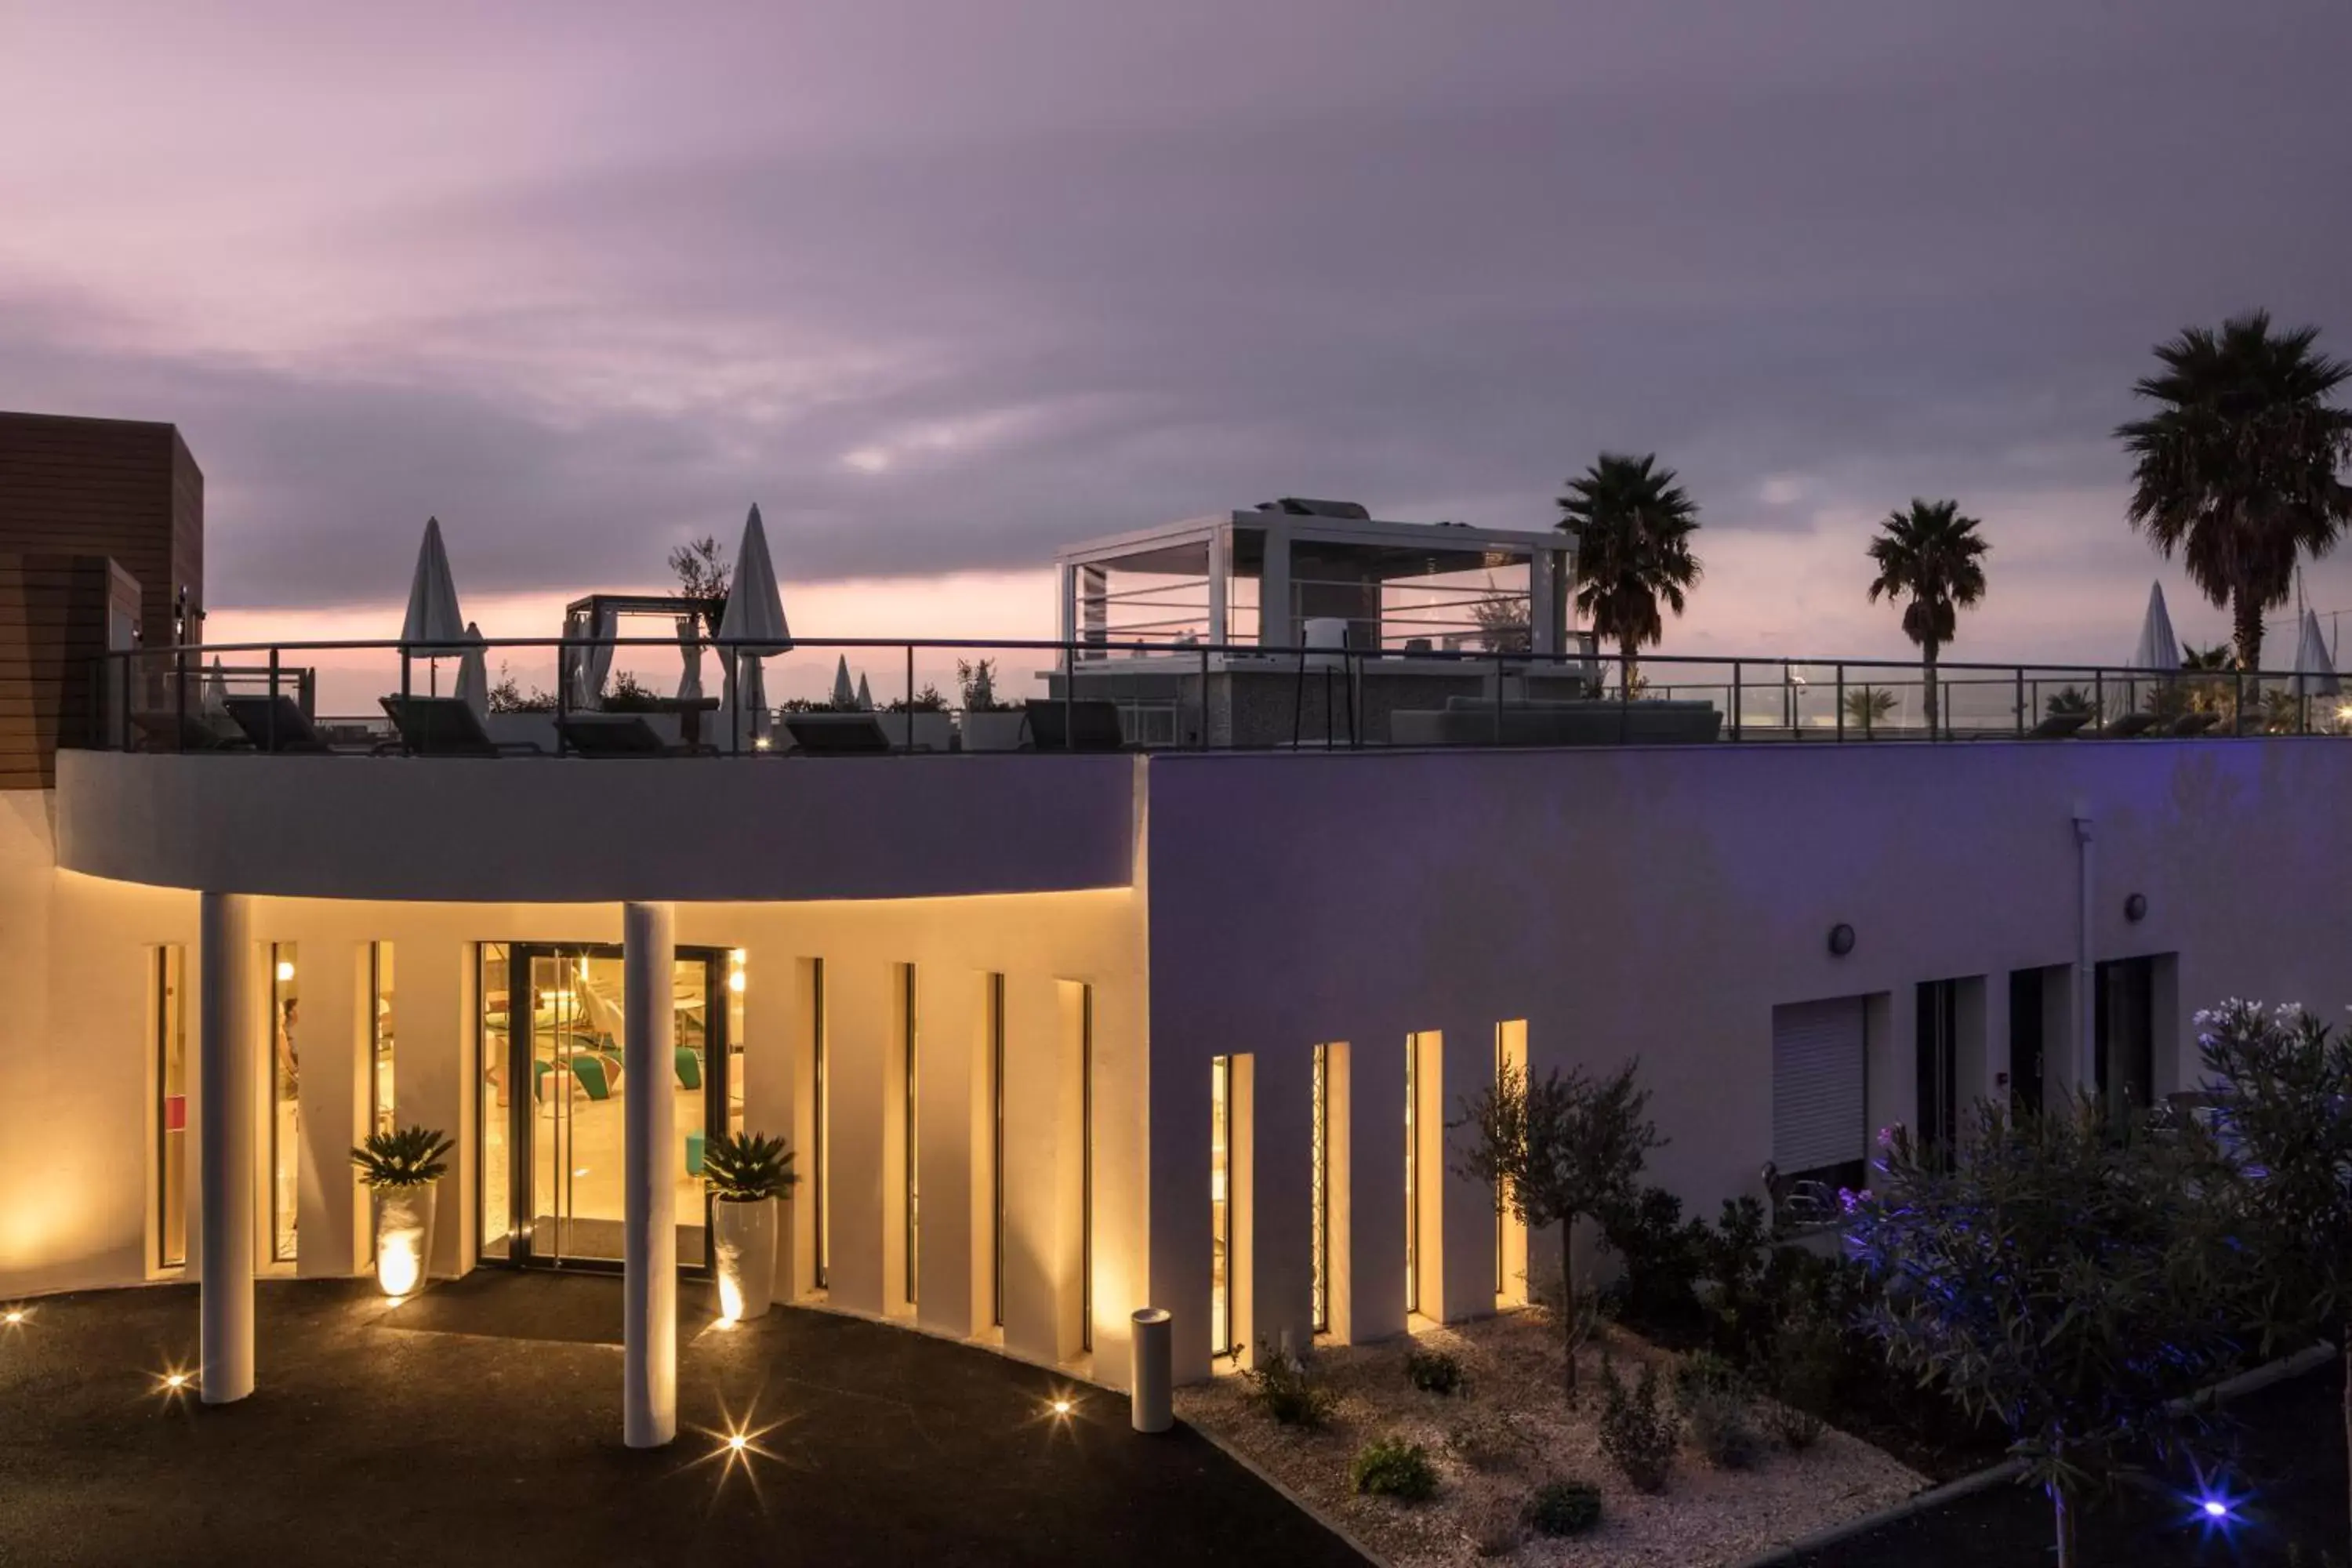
[171, 729]
[446, 727]
[2127, 725]
[2058, 726]
[1478, 722]
[275, 724]
[1091, 725]
[620, 735]
[838, 734]
[2193, 724]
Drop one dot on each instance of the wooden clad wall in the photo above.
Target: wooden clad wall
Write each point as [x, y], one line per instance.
[54, 614]
[115, 487]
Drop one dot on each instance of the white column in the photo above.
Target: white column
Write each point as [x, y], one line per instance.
[649, 1228]
[226, 1060]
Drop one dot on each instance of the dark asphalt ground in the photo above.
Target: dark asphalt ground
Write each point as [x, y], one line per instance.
[369, 1442]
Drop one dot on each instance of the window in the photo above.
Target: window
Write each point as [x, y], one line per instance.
[818, 1126]
[738, 982]
[1935, 1051]
[1510, 1231]
[496, 1122]
[1819, 1115]
[171, 1107]
[996, 1147]
[1085, 1167]
[1221, 1143]
[1320, 1190]
[285, 1100]
[382, 1107]
[1424, 1155]
[909, 1055]
[1411, 1177]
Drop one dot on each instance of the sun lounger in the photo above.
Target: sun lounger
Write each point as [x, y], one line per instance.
[1091, 725]
[275, 724]
[838, 734]
[171, 731]
[2127, 725]
[446, 727]
[620, 735]
[2193, 724]
[2058, 726]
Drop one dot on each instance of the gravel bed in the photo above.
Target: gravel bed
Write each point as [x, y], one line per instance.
[1704, 1515]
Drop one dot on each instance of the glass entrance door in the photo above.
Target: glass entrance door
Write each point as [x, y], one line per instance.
[555, 1065]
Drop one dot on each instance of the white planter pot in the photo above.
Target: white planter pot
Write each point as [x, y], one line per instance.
[993, 731]
[403, 1237]
[743, 1256]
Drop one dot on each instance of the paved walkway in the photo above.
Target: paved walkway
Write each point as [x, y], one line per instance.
[367, 1443]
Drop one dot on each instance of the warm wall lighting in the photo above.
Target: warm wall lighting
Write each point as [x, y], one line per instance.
[13, 1317]
[735, 981]
[1062, 1406]
[285, 969]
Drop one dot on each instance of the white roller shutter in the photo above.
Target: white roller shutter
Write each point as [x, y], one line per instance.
[1818, 1115]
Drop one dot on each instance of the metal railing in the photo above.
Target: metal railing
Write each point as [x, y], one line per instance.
[1201, 696]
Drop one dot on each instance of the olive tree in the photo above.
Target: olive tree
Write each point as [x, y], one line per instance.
[2070, 1282]
[2280, 1083]
[1567, 1148]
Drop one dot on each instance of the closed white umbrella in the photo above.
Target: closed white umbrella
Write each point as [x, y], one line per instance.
[844, 696]
[865, 697]
[689, 648]
[434, 625]
[2315, 672]
[473, 673]
[753, 620]
[2157, 648]
[217, 690]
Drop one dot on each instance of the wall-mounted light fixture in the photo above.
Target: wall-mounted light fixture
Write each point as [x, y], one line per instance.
[1841, 938]
[2136, 908]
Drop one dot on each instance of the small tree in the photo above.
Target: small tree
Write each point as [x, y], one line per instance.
[703, 577]
[2282, 1085]
[1566, 1149]
[2067, 1283]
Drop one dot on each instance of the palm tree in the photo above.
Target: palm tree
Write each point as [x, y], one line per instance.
[1931, 556]
[2237, 468]
[1866, 705]
[1633, 525]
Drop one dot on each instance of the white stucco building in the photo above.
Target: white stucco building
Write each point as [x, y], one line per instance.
[1058, 1036]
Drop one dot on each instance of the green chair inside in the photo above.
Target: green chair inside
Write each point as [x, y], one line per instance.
[689, 1067]
[694, 1141]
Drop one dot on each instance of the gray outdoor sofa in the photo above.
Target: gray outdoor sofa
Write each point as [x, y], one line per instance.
[1477, 722]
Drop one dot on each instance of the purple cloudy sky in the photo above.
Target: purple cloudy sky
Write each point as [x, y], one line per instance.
[943, 285]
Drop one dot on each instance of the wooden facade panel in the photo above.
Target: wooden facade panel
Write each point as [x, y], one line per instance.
[122, 489]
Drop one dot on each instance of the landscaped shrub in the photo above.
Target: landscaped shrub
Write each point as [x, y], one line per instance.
[1702, 1373]
[1807, 1359]
[1657, 1290]
[1563, 1508]
[1495, 1529]
[1637, 1431]
[1491, 1441]
[1722, 1430]
[1390, 1467]
[1281, 1386]
[1737, 1260]
[1433, 1372]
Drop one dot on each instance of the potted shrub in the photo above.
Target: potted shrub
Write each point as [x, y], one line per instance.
[990, 724]
[922, 725]
[747, 1174]
[403, 1170]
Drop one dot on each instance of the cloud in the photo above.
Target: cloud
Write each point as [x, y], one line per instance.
[943, 296]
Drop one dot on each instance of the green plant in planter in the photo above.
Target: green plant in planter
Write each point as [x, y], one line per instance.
[744, 1167]
[1281, 1386]
[411, 1157]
